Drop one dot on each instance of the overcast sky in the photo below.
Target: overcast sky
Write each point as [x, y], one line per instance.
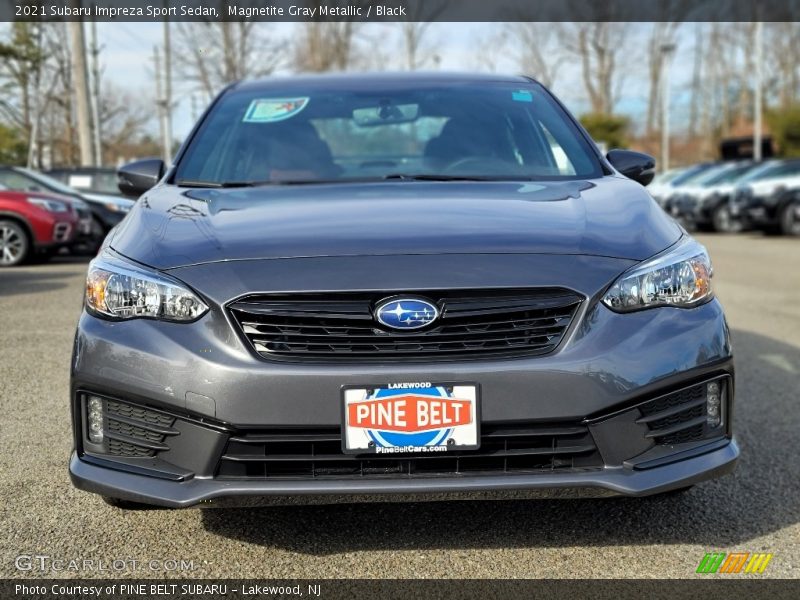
[127, 50]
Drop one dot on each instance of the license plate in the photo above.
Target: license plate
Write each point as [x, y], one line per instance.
[401, 418]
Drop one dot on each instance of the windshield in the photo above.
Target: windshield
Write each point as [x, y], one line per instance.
[26, 179]
[493, 131]
[771, 170]
[690, 175]
[728, 175]
[666, 177]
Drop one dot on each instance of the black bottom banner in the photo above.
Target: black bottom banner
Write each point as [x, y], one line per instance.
[389, 589]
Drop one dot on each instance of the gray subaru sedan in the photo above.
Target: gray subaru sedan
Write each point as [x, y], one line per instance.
[396, 286]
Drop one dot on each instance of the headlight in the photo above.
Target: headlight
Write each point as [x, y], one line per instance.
[120, 208]
[50, 205]
[119, 289]
[679, 277]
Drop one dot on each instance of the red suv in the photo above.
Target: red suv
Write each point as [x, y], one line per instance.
[34, 223]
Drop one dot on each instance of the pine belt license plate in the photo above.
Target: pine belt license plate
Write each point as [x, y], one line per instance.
[407, 418]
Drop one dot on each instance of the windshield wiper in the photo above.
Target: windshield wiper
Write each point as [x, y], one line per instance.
[243, 184]
[218, 184]
[390, 177]
[442, 177]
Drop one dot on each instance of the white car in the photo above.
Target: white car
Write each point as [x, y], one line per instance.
[761, 200]
[666, 184]
[705, 202]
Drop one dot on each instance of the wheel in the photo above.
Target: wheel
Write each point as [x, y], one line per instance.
[724, 222]
[688, 223]
[14, 244]
[127, 504]
[790, 219]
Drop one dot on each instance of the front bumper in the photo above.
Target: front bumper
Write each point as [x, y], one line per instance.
[715, 460]
[608, 365]
[107, 218]
[757, 211]
[61, 233]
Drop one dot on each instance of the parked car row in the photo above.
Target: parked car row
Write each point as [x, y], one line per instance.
[733, 196]
[39, 215]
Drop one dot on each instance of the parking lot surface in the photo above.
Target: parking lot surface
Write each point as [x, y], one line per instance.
[754, 510]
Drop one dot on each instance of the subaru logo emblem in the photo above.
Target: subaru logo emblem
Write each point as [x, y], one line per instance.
[406, 313]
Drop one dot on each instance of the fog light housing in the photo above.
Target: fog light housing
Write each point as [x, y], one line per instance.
[94, 419]
[713, 404]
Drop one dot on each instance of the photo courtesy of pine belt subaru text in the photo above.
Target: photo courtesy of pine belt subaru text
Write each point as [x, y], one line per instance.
[409, 286]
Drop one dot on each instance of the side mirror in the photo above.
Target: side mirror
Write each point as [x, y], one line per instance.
[135, 178]
[634, 165]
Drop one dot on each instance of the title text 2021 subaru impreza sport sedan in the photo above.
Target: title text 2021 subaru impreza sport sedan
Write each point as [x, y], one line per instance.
[403, 285]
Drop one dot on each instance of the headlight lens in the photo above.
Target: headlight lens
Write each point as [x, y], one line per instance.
[122, 290]
[50, 205]
[680, 277]
[120, 208]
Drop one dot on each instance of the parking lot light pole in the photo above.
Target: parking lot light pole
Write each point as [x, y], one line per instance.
[757, 92]
[666, 53]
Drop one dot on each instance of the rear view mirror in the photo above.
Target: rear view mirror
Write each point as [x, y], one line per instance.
[135, 178]
[634, 165]
[385, 114]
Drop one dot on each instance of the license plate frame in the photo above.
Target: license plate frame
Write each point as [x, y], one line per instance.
[449, 437]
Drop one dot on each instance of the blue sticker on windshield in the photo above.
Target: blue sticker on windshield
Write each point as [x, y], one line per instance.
[522, 96]
[269, 110]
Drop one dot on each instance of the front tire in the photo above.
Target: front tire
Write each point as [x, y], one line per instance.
[15, 246]
[790, 220]
[723, 220]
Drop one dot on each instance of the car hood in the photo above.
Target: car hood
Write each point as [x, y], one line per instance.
[768, 186]
[700, 191]
[171, 227]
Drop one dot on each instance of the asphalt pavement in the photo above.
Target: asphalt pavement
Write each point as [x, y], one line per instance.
[757, 509]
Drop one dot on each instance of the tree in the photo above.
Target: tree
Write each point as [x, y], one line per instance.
[609, 129]
[324, 46]
[785, 127]
[21, 64]
[538, 50]
[413, 35]
[783, 47]
[598, 46]
[125, 120]
[417, 53]
[210, 55]
[13, 146]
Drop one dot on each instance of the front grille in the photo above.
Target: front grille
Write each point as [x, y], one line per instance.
[680, 416]
[743, 196]
[118, 448]
[342, 326]
[313, 454]
[135, 431]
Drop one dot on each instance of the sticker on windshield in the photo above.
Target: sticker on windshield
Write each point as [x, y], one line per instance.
[522, 96]
[270, 110]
